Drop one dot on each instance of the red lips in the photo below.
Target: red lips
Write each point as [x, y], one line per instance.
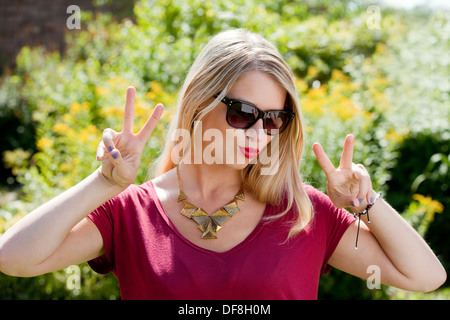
[249, 152]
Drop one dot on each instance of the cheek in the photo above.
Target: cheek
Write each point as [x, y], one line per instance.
[264, 141]
[214, 128]
[216, 119]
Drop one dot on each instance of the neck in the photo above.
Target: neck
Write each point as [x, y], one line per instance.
[209, 181]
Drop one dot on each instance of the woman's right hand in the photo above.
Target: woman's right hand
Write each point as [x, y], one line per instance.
[121, 152]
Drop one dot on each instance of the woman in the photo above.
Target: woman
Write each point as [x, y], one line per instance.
[216, 222]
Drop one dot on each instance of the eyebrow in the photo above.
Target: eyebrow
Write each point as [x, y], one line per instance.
[254, 104]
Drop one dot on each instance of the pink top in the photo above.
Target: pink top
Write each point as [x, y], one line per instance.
[152, 260]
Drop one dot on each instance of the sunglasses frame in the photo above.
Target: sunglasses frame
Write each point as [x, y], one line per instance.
[261, 114]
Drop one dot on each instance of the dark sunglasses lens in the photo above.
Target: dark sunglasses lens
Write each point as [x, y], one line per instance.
[276, 122]
[241, 115]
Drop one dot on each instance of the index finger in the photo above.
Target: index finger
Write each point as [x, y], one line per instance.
[128, 116]
[322, 157]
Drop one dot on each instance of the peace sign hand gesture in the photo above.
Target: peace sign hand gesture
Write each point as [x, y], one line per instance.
[349, 185]
[121, 152]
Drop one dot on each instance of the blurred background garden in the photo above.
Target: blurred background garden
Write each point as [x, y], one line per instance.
[377, 71]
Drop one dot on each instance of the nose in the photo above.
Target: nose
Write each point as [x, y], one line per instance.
[256, 131]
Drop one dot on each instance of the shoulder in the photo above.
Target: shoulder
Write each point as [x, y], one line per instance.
[136, 195]
[166, 186]
[324, 209]
[319, 200]
[157, 186]
[136, 190]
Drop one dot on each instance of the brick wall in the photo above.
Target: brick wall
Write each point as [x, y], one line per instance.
[42, 22]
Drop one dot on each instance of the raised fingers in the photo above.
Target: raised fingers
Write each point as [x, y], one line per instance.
[347, 153]
[128, 116]
[150, 125]
[324, 162]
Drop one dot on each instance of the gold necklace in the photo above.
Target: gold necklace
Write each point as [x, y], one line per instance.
[209, 224]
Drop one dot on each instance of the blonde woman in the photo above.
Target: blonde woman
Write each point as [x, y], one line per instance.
[232, 221]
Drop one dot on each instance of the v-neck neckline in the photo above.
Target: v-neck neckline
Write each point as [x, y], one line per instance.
[230, 251]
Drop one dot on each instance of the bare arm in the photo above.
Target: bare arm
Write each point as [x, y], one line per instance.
[388, 242]
[58, 233]
[26, 246]
[392, 245]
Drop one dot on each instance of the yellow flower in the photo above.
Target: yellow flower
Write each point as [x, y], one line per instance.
[318, 93]
[427, 206]
[65, 167]
[301, 84]
[393, 135]
[156, 87]
[312, 72]
[78, 107]
[83, 136]
[311, 107]
[338, 75]
[380, 48]
[92, 129]
[75, 107]
[117, 81]
[345, 109]
[44, 143]
[156, 90]
[112, 111]
[60, 127]
[432, 205]
[65, 182]
[101, 91]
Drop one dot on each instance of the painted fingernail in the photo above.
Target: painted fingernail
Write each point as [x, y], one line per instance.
[351, 202]
[115, 155]
[371, 200]
[360, 200]
[110, 148]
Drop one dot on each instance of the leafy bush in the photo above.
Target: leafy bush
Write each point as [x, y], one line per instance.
[373, 83]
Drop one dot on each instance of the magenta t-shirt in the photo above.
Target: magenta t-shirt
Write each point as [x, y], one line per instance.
[152, 260]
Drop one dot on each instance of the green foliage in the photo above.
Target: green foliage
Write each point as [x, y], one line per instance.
[383, 85]
[66, 284]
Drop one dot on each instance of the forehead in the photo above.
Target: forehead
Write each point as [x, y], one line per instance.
[260, 89]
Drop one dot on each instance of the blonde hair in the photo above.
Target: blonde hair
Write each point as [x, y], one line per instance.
[225, 58]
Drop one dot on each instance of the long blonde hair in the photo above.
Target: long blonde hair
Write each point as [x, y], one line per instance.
[225, 58]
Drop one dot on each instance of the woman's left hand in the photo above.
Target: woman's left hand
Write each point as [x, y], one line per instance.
[349, 185]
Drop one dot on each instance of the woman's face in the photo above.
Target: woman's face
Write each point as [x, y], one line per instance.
[240, 146]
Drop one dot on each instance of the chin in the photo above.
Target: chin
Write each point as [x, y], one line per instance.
[238, 166]
[240, 162]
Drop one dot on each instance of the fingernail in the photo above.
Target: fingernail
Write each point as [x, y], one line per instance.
[360, 200]
[371, 200]
[351, 202]
[110, 148]
[115, 155]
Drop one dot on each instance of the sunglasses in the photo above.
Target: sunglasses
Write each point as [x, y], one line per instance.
[243, 115]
